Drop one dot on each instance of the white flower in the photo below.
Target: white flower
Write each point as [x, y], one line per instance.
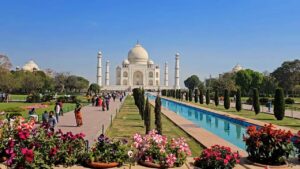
[130, 154]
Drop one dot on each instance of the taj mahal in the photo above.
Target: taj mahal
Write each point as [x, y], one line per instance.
[138, 70]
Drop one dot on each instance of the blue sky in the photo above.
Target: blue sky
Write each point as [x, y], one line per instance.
[212, 36]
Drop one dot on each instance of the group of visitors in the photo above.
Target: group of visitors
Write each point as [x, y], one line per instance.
[103, 100]
[4, 97]
[51, 118]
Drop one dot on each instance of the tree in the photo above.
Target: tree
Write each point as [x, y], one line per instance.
[7, 83]
[186, 96]
[201, 100]
[31, 83]
[147, 116]
[157, 111]
[142, 102]
[95, 88]
[60, 81]
[288, 74]
[226, 99]
[207, 97]
[279, 104]
[192, 82]
[190, 95]
[268, 85]
[216, 98]
[255, 99]
[247, 79]
[238, 101]
[196, 96]
[5, 62]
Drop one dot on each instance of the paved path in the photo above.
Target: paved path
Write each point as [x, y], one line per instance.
[93, 119]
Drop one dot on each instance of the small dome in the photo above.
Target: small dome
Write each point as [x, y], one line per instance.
[138, 55]
[30, 66]
[126, 62]
[237, 68]
[150, 62]
[99, 53]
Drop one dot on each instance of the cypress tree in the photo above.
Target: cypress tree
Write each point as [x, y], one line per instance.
[190, 95]
[226, 99]
[201, 97]
[157, 111]
[207, 97]
[147, 114]
[217, 98]
[255, 99]
[238, 101]
[142, 102]
[196, 96]
[279, 104]
[186, 96]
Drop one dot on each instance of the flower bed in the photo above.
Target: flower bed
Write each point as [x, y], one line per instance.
[268, 145]
[155, 150]
[217, 157]
[28, 147]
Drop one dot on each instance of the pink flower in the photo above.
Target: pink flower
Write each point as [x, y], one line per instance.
[225, 161]
[171, 159]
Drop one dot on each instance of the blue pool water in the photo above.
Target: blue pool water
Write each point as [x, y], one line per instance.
[225, 127]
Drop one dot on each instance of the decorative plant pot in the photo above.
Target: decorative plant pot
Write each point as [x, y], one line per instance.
[149, 164]
[102, 165]
[283, 166]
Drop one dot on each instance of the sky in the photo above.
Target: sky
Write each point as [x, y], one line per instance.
[212, 36]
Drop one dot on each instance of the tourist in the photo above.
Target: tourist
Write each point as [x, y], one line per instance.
[97, 101]
[52, 121]
[61, 112]
[33, 115]
[103, 105]
[107, 99]
[45, 117]
[78, 115]
[114, 96]
[93, 100]
[57, 111]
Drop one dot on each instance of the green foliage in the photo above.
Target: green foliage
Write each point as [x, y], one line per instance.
[216, 98]
[147, 118]
[207, 97]
[201, 99]
[238, 101]
[157, 111]
[13, 114]
[289, 101]
[288, 74]
[14, 109]
[94, 87]
[247, 79]
[279, 104]
[33, 98]
[255, 100]
[190, 95]
[186, 96]
[226, 99]
[192, 82]
[196, 97]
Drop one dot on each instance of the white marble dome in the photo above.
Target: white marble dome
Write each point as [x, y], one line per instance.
[237, 68]
[30, 66]
[150, 62]
[138, 55]
[126, 62]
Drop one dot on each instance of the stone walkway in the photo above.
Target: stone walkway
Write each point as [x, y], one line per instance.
[93, 120]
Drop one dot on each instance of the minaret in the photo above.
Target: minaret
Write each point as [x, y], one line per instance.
[107, 74]
[166, 74]
[99, 69]
[176, 85]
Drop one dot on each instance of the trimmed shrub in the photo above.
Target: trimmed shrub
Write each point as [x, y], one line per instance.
[147, 116]
[226, 99]
[216, 98]
[35, 98]
[196, 95]
[238, 101]
[157, 111]
[190, 95]
[186, 96]
[289, 101]
[201, 99]
[279, 104]
[207, 97]
[255, 98]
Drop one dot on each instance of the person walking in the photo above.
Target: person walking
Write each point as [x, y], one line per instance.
[78, 115]
[33, 115]
[103, 104]
[57, 111]
[107, 99]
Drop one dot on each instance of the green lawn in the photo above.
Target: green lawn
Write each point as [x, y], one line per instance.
[18, 97]
[286, 122]
[3, 106]
[128, 122]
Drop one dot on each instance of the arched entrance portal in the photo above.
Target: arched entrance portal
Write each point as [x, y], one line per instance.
[138, 78]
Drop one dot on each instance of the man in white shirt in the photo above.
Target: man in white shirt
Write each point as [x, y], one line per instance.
[57, 110]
